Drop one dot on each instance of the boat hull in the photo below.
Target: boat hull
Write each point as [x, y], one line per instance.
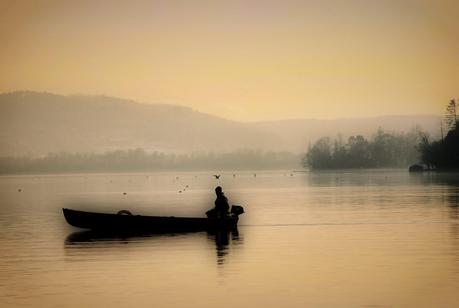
[124, 224]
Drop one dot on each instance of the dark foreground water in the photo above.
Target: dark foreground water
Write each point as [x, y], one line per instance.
[332, 239]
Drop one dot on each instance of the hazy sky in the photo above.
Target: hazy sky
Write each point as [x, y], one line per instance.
[245, 60]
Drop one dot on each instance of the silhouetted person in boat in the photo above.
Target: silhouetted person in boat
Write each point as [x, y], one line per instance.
[221, 209]
[221, 203]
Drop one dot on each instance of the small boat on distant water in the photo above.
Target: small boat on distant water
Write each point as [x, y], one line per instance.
[124, 222]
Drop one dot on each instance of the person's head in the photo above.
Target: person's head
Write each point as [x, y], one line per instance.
[218, 190]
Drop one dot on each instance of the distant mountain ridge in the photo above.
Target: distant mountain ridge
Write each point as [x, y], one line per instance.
[34, 124]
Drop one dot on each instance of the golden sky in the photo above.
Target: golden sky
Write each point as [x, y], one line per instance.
[244, 60]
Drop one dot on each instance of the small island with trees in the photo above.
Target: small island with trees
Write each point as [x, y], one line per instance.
[388, 150]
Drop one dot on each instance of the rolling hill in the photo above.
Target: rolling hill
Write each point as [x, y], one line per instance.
[35, 124]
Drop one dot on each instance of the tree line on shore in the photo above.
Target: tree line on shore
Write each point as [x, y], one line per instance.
[383, 150]
[389, 149]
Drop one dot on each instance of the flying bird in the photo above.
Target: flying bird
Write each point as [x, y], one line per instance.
[217, 176]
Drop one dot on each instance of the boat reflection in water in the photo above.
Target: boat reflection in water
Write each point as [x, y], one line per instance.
[83, 244]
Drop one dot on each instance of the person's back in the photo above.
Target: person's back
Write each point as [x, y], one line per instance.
[221, 203]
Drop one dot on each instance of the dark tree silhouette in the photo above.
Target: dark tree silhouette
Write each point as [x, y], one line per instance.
[443, 154]
[451, 115]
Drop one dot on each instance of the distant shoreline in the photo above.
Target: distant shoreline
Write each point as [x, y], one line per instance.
[228, 172]
[147, 172]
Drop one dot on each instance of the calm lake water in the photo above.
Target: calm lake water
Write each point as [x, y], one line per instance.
[374, 238]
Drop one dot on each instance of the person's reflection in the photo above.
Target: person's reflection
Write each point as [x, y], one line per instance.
[222, 240]
[221, 243]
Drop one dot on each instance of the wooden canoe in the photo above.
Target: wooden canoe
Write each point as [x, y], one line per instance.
[124, 224]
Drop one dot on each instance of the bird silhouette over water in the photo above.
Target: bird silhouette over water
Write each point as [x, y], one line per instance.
[184, 189]
[217, 176]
